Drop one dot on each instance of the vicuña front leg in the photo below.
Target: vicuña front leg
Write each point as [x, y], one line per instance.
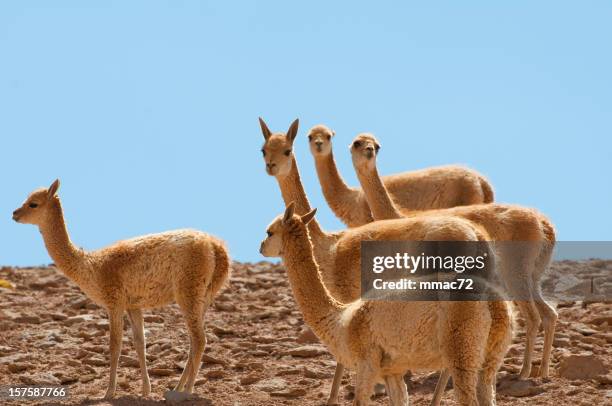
[333, 394]
[397, 390]
[364, 384]
[116, 332]
[137, 323]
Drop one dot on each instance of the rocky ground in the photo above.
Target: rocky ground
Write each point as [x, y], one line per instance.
[259, 351]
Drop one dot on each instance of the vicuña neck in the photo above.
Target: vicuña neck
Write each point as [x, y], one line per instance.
[293, 191]
[335, 189]
[67, 257]
[381, 205]
[319, 308]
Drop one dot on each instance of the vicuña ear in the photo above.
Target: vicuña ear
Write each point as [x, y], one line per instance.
[307, 218]
[53, 188]
[293, 130]
[289, 212]
[264, 129]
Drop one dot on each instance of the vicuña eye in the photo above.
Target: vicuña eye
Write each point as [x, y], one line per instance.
[263, 152]
[310, 138]
[33, 205]
[288, 152]
[328, 137]
[269, 233]
[357, 144]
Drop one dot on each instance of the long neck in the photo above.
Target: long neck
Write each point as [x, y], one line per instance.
[380, 202]
[293, 191]
[319, 308]
[335, 190]
[67, 257]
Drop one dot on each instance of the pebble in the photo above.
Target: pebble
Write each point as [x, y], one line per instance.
[127, 361]
[519, 388]
[87, 378]
[39, 379]
[306, 351]
[16, 367]
[250, 379]
[270, 385]
[290, 393]
[586, 366]
[161, 371]
[153, 318]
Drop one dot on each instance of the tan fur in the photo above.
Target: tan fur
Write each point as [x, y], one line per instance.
[431, 188]
[381, 340]
[184, 266]
[338, 254]
[521, 269]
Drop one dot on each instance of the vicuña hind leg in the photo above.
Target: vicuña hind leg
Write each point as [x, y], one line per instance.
[532, 323]
[464, 386]
[137, 323]
[549, 321]
[192, 307]
[440, 388]
[116, 332]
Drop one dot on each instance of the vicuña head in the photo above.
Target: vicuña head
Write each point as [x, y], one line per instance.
[363, 151]
[35, 209]
[278, 149]
[319, 138]
[277, 231]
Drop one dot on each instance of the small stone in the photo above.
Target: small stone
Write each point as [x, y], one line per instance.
[153, 318]
[271, 385]
[17, 367]
[161, 371]
[39, 379]
[225, 306]
[315, 373]
[604, 379]
[218, 330]
[215, 374]
[78, 303]
[290, 393]
[306, 351]
[127, 361]
[27, 319]
[519, 388]
[58, 316]
[82, 318]
[96, 362]
[563, 342]
[582, 367]
[250, 379]
[87, 378]
[154, 349]
[212, 360]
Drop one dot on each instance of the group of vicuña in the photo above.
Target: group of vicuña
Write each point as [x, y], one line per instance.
[380, 341]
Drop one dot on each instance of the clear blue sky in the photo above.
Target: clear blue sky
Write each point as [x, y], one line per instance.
[147, 110]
